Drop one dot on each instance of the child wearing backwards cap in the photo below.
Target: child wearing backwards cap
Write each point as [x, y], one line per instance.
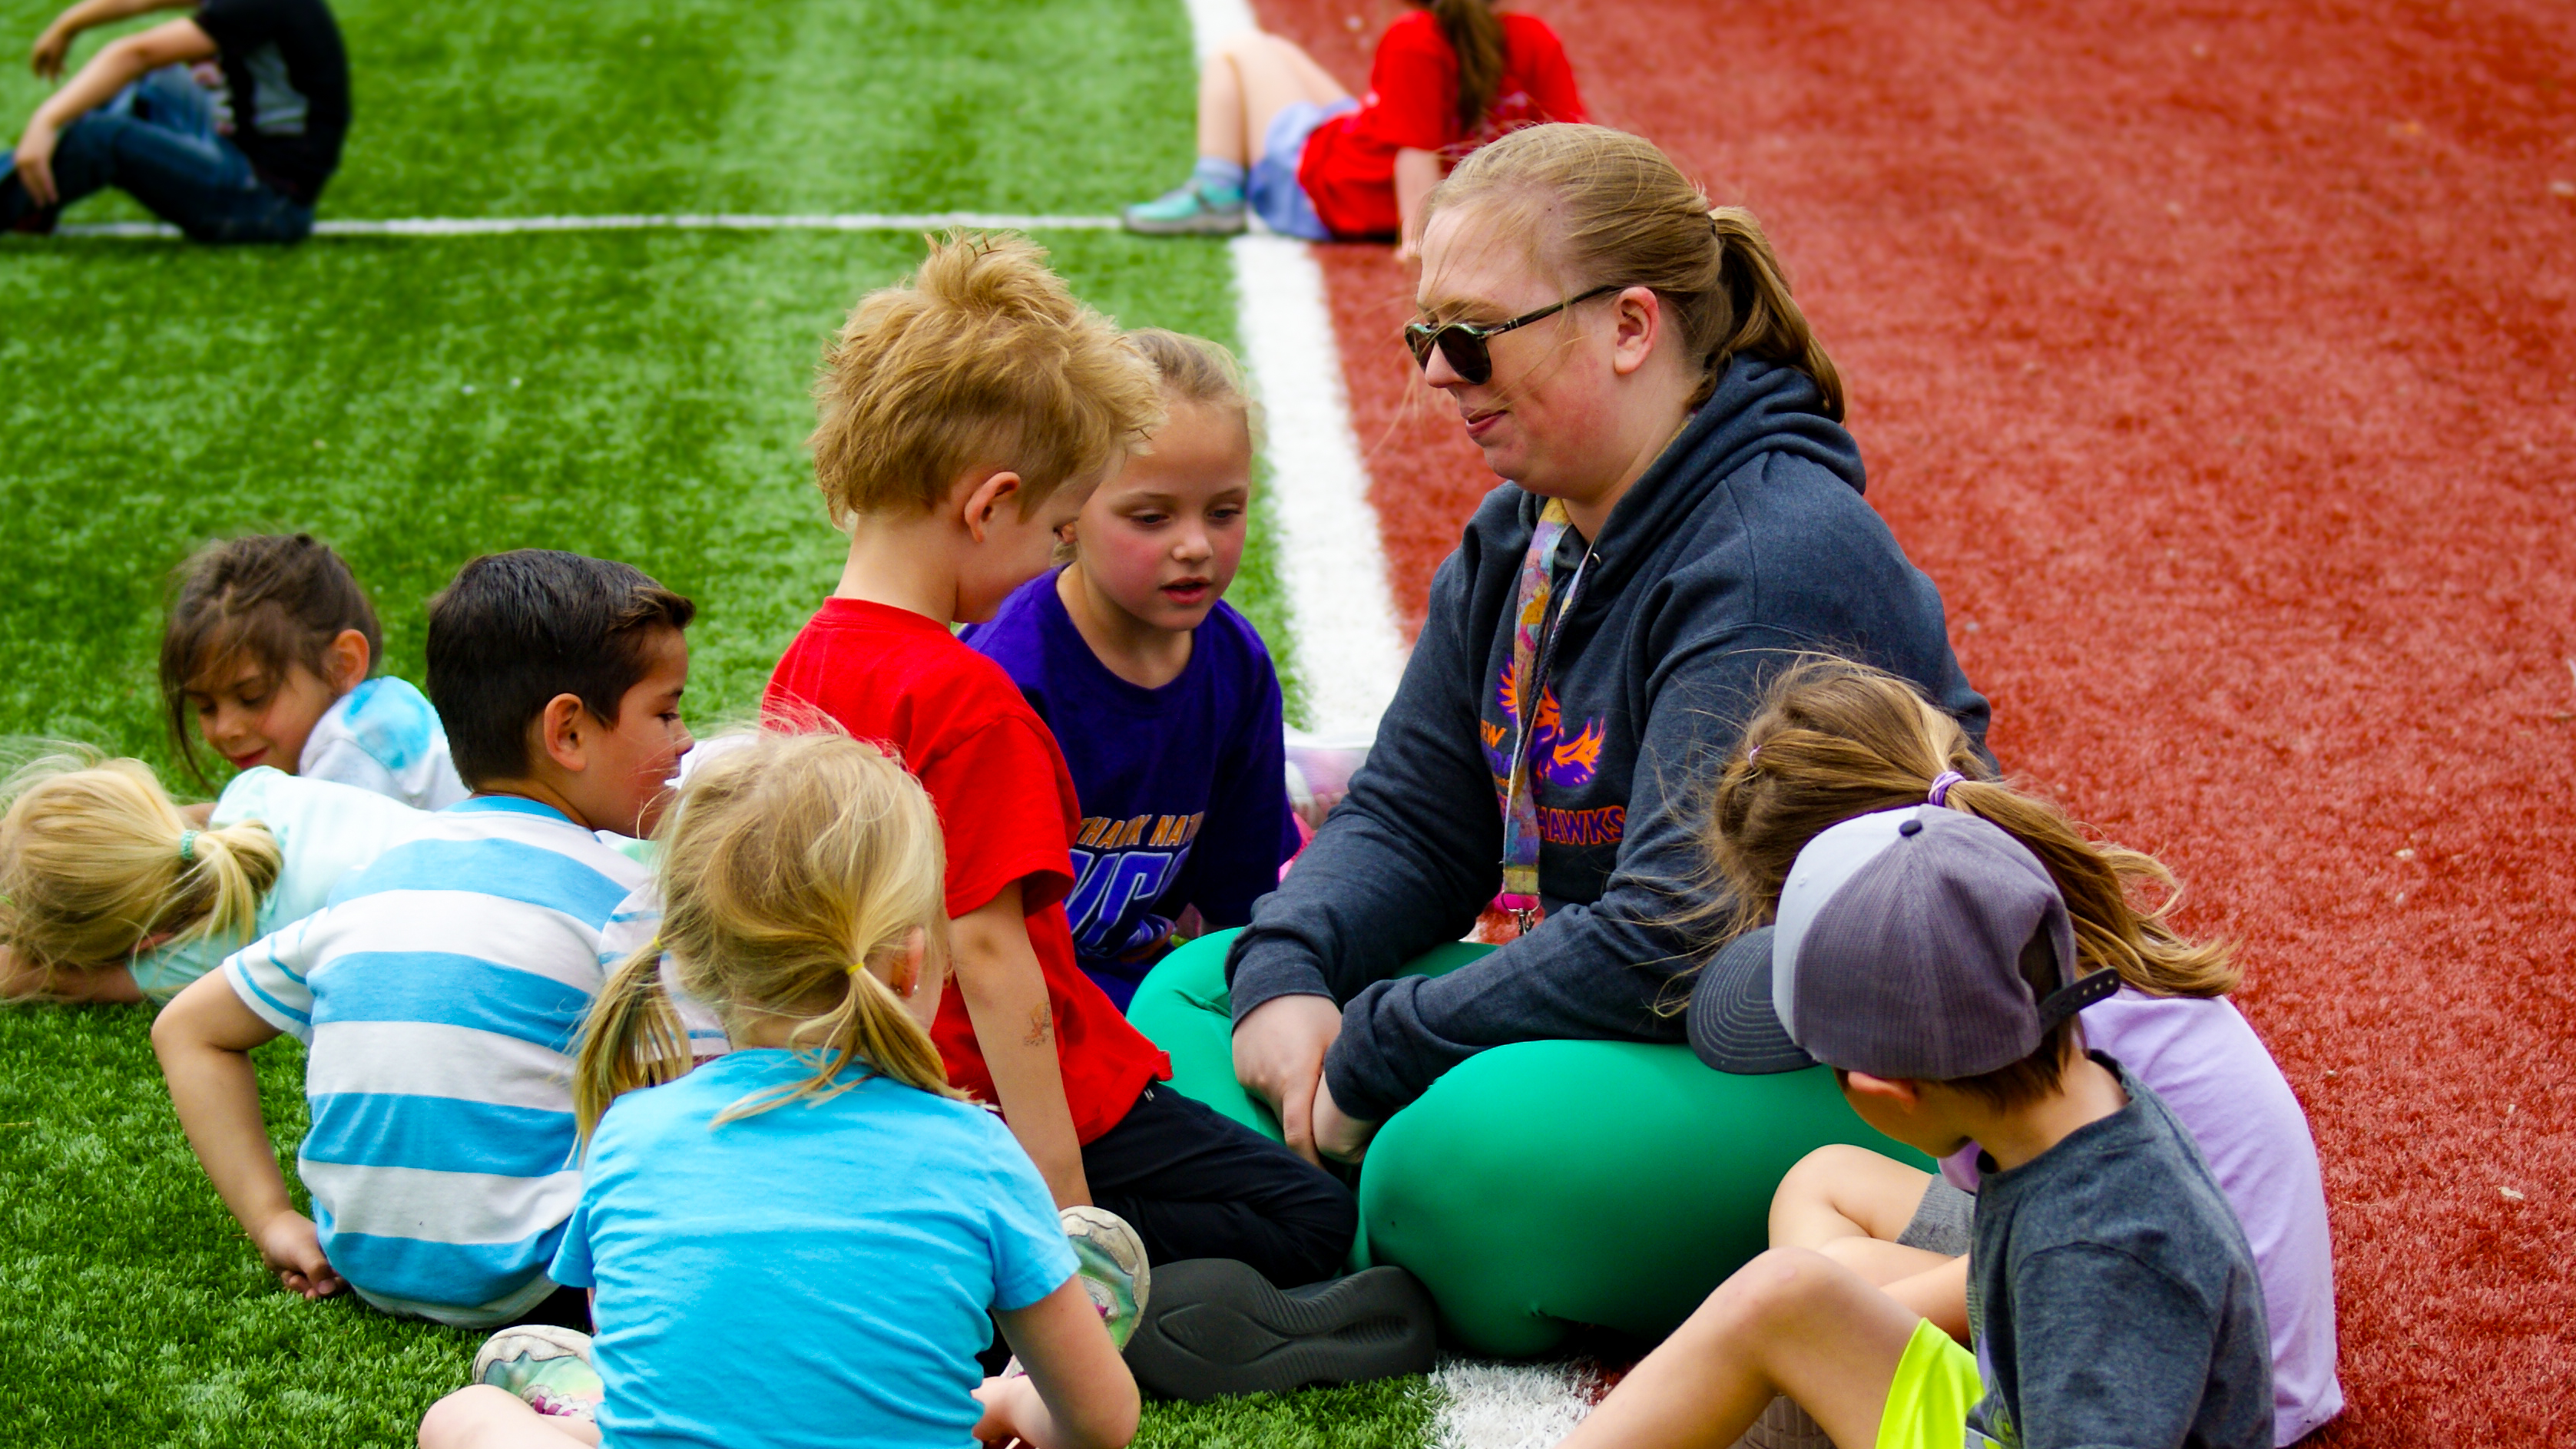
[1928, 958]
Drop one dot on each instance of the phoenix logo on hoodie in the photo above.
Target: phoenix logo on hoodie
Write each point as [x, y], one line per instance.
[1558, 759]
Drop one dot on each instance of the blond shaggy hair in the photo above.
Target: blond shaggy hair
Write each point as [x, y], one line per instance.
[981, 358]
[790, 864]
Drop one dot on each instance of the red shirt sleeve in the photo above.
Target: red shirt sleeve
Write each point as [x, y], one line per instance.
[1005, 806]
[1413, 87]
[1540, 60]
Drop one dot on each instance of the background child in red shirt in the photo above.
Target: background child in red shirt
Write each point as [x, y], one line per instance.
[966, 417]
[1279, 134]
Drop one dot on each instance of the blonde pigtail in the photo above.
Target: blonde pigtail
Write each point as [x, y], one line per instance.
[632, 1038]
[95, 859]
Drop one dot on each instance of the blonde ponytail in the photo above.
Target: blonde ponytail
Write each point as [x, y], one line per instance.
[1835, 739]
[94, 858]
[790, 864]
[632, 1038]
[1602, 207]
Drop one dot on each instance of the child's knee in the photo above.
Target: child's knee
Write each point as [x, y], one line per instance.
[476, 1415]
[1780, 1284]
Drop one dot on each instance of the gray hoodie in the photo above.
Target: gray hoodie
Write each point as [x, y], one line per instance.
[1744, 545]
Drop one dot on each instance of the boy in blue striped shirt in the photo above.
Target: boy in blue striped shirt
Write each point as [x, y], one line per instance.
[440, 992]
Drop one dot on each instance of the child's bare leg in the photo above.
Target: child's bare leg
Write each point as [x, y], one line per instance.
[1845, 1192]
[1790, 1322]
[483, 1417]
[1247, 82]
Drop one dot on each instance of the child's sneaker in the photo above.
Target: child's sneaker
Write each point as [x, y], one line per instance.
[547, 1367]
[1190, 209]
[1112, 1267]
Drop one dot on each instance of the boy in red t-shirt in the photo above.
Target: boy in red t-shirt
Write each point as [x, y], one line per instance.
[966, 416]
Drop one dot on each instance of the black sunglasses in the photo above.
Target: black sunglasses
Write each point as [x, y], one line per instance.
[1463, 343]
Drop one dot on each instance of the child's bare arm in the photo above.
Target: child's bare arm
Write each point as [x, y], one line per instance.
[1078, 1394]
[1006, 999]
[204, 1038]
[47, 55]
[1416, 172]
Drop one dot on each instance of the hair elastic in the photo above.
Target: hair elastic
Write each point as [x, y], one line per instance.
[188, 845]
[1941, 784]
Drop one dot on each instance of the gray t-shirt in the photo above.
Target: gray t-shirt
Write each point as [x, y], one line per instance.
[2113, 1296]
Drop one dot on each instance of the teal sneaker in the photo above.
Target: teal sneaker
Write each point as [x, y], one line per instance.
[1112, 1268]
[547, 1367]
[1190, 209]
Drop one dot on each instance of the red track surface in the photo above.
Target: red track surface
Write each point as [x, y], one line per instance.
[2218, 362]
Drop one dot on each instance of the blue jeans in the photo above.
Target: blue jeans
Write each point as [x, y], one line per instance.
[158, 141]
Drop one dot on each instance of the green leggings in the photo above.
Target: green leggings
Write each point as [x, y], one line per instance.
[1549, 1183]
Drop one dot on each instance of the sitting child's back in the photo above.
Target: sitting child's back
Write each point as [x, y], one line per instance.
[440, 997]
[822, 1270]
[2118, 1239]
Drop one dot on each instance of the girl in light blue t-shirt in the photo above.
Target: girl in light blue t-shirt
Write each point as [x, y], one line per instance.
[805, 1241]
[110, 892]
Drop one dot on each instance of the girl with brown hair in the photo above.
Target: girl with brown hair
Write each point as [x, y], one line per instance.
[1279, 135]
[1683, 507]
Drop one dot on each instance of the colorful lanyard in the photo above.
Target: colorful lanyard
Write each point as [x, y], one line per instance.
[1533, 650]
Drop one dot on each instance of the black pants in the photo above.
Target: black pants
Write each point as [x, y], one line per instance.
[1197, 1184]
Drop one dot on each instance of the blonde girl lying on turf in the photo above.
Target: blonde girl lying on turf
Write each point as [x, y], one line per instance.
[111, 892]
[1835, 740]
[798, 1242]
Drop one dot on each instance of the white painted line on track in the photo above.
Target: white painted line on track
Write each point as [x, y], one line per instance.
[441, 226]
[1332, 560]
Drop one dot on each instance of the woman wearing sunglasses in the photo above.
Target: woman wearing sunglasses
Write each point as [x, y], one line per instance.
[1683, 517]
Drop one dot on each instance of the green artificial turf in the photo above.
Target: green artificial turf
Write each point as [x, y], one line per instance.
[640, 395]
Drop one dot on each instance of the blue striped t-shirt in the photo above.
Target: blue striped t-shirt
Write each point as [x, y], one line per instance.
[440, 993]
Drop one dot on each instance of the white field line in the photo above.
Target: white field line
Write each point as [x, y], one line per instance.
[1508, 1406]
[436, 226]
[1332, 559]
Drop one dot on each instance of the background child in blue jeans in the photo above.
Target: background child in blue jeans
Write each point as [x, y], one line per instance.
[270, 645]
[797, 1243]
[1161, 695]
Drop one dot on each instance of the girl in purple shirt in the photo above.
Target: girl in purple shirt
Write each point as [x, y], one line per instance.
[1162, 698]
[1837, 739]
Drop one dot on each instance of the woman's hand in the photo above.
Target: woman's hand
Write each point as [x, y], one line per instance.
[1279, 1057]
[1008, 1404]
[1343, 1138]
[292, 1249]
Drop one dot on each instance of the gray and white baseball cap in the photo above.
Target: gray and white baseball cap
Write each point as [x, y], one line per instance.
[1897, 952]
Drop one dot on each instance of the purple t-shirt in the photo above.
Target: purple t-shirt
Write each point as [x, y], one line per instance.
[2214, 1073]
[1184, 789]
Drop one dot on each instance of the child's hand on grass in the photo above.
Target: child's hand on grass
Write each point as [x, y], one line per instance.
[292, 1249]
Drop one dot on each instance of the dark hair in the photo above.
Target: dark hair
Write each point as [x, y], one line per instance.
[278, 598]
[1474, 32]
[2034, 1076]
[514, 630]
